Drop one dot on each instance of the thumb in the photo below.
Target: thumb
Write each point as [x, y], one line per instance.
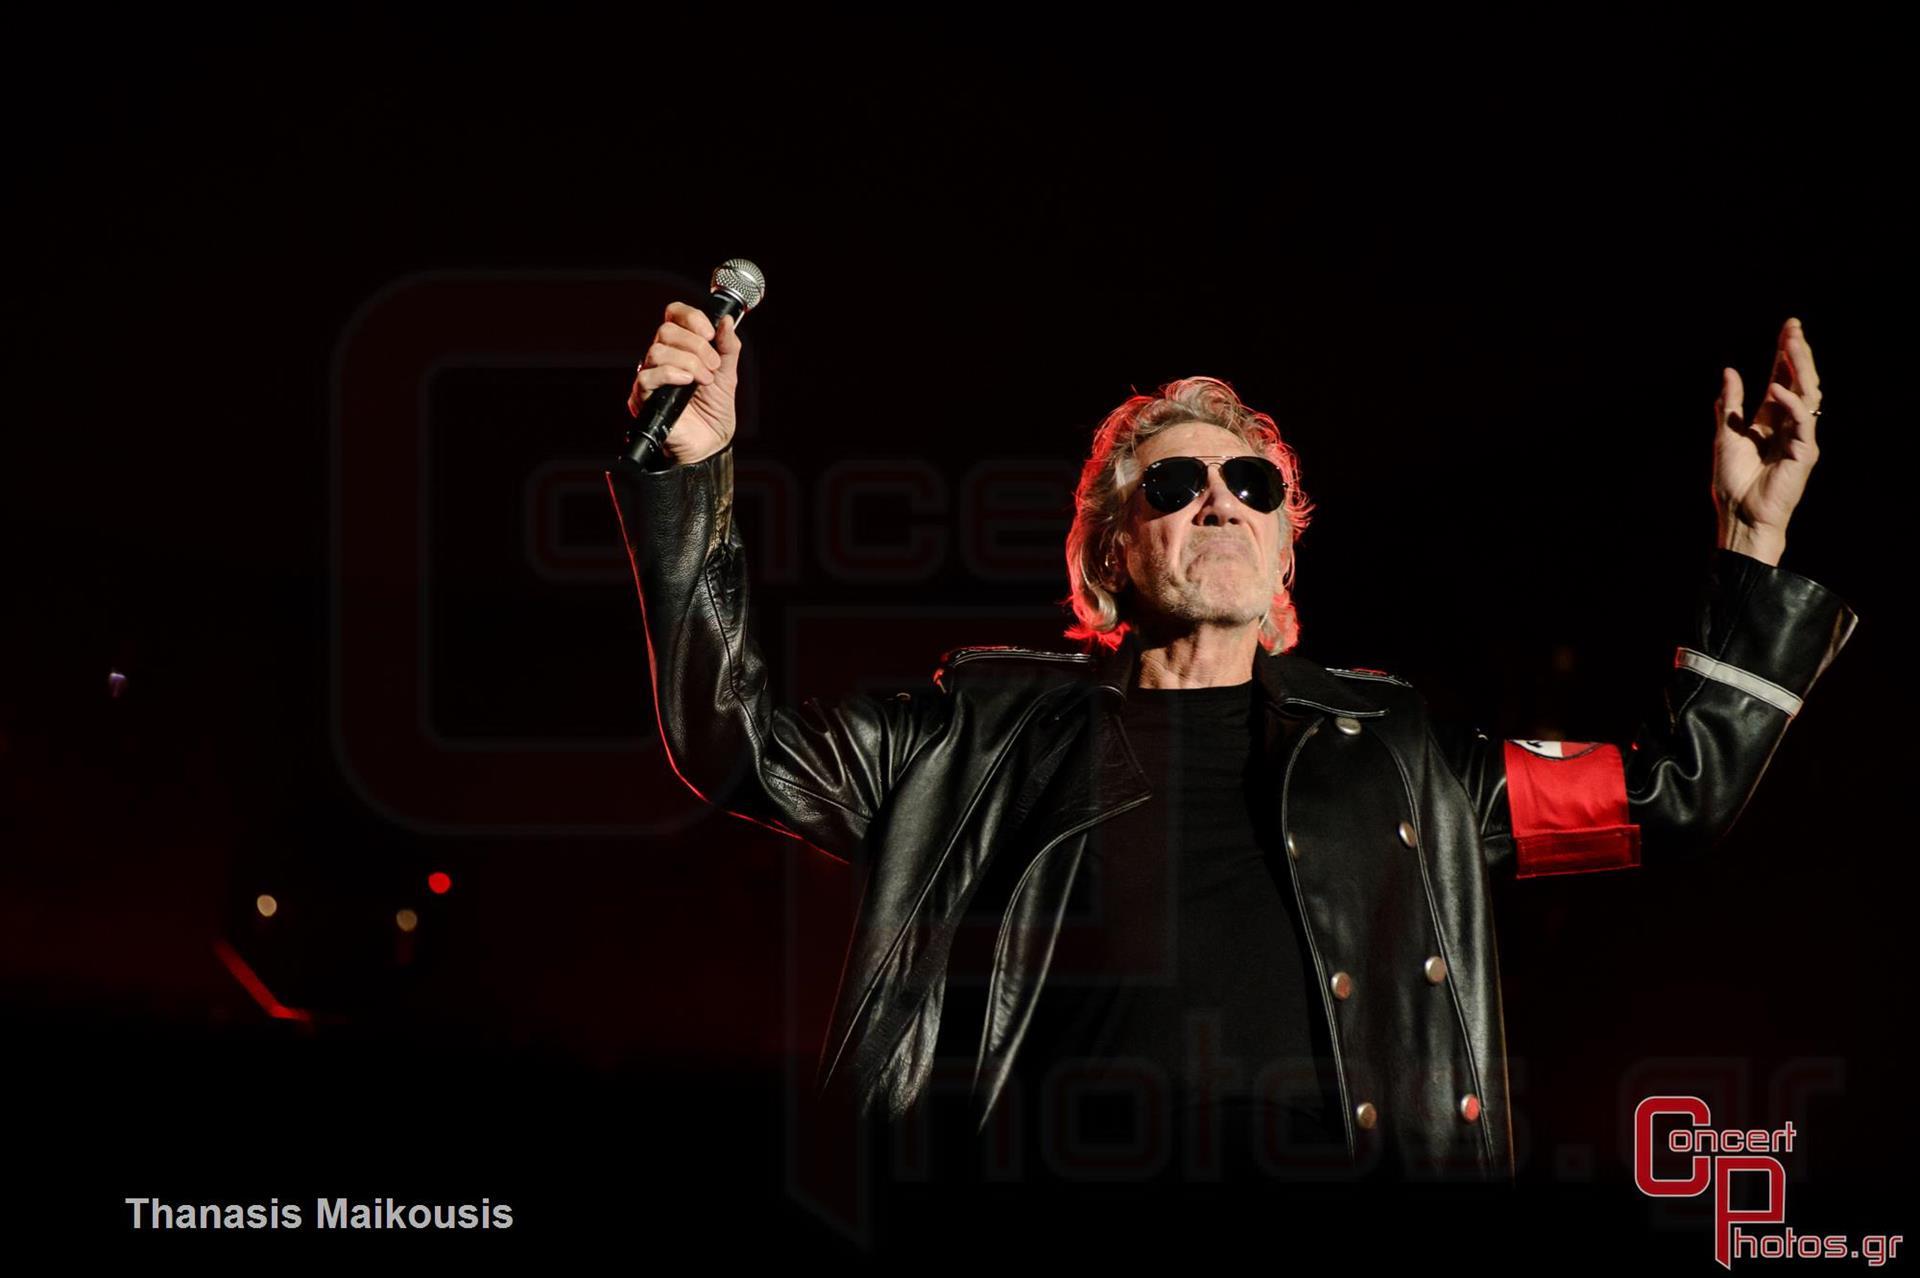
[727, 342]
[1727, 410]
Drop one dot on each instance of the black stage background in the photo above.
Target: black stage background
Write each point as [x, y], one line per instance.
[324, 329]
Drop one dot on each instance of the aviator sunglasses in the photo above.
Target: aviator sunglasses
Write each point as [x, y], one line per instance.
[1172, 483]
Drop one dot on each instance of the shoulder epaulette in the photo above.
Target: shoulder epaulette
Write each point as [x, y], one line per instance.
[960, 656]
[1367, 672]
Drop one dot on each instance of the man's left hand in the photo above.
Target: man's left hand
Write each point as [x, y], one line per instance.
[1760, 467]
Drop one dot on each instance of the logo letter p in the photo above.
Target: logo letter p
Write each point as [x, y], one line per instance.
[1725, 1217]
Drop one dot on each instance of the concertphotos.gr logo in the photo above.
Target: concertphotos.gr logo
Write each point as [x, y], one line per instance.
[1717, 1155]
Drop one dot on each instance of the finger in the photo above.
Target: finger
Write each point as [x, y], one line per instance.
[1797, 423]
[728, 345]
[694, 361]
[1782, 370]
[1802, 376]
[691, 318]
[652, 379]
[692, 343]
[1733, 413]
[648, 379]
[1727, 413]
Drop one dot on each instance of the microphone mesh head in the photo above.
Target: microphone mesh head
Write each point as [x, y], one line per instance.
[741, 278]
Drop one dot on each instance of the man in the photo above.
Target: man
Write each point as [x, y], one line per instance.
[1188, 904]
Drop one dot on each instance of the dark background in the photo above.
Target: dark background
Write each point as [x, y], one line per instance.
[1485, 281]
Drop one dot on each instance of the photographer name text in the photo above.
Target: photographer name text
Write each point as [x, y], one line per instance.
[150, 1214]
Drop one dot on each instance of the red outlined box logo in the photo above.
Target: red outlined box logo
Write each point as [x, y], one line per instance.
[396, 458]
[1714, 1157]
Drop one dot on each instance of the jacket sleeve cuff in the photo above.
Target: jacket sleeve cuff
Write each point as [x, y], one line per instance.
[660, 508]
[1765, 630]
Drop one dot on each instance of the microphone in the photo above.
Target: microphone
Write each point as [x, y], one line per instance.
[738, 287]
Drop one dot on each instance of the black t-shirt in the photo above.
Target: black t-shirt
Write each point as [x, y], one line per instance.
[1179, 1033]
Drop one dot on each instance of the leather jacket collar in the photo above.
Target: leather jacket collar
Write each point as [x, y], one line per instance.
[1289, 681]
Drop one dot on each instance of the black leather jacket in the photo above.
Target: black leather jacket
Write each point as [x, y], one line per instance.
[1396, 825]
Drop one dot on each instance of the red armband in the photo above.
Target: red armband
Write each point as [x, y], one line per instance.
[1569, 806]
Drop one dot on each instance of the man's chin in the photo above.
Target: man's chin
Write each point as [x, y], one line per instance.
[1193, 618]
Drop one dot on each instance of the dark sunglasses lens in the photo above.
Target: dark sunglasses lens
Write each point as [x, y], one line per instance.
[1172, 483]
[1255, 481]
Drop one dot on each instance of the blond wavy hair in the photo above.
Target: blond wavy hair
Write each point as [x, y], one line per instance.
[1109, 477]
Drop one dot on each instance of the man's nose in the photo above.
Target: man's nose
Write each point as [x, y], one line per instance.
[1218, 505]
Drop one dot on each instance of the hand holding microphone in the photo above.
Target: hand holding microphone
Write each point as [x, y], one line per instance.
[683, 391]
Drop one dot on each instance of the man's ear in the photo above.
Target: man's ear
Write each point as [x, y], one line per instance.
[1113, 574]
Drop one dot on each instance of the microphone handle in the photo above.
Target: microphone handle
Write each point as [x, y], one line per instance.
[646, 443]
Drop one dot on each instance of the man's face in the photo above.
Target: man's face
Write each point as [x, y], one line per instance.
[1214, 562]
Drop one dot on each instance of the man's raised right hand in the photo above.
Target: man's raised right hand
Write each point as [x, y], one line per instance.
[686, 349]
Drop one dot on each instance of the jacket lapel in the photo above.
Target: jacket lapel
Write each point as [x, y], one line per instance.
[1287, 680]
[1097, 778]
